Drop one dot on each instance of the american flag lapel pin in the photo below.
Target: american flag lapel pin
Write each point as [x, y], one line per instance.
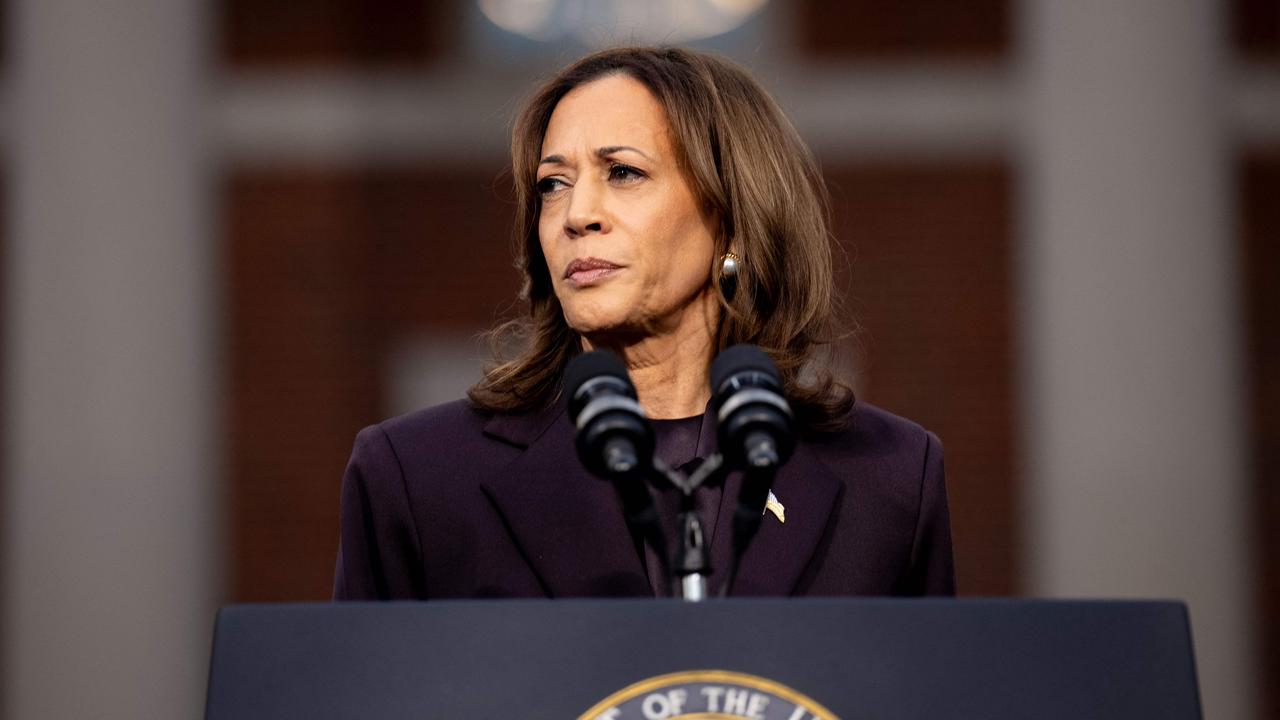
[772, 505]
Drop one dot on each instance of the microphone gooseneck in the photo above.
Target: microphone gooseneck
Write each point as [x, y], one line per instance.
[615, 440]
[756, 431]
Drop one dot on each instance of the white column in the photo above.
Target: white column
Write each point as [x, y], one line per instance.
[110, 508]
[1136, 432]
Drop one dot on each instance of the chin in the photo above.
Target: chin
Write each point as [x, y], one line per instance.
[596, 322]
[595, 327]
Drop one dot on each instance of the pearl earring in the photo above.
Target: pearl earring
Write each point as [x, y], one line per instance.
[729, 263]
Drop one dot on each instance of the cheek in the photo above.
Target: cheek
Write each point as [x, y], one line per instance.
[544, 237]
[548, 245]
[690, 274]
[686, 257]
[548, 225]
[547, 255]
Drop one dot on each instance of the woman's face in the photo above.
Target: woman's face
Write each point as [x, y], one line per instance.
[628, 246]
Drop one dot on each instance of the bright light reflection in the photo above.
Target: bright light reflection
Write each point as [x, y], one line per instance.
[608, 22]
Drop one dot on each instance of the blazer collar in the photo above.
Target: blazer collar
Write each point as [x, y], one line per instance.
[775, 561]
[569, 523]
[521, 430]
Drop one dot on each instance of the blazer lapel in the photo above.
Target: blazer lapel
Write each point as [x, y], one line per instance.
[567, 523]
[780, 552]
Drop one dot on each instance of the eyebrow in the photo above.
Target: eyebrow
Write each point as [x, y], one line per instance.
[600, 153]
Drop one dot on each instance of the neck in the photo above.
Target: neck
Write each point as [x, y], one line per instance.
[669, 369]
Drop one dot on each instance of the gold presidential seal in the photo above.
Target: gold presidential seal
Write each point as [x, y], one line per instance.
[707, 695]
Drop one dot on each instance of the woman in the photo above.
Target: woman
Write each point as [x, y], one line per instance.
[665, 210]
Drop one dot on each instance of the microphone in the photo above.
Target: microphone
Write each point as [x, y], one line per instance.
[756, 427]
[614, 437]
[756, 432]
[615, 441]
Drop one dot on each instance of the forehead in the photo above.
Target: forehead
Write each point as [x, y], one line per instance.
[613, 110]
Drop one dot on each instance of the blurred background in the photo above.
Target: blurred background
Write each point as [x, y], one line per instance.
[238, 231]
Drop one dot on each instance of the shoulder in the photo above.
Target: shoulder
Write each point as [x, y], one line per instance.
[882, 454]
[450, 420]
[451, 429]
[875, 432]
[455, 438]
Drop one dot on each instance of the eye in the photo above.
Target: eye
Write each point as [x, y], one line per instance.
[550, 186]
[619, 173]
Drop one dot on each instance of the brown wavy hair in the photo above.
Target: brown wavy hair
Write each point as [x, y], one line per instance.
[755, 177]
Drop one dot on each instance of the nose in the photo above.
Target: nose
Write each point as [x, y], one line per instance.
[586, 212]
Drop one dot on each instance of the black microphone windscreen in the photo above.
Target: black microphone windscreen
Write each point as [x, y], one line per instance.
[739, 358]
[593, 364]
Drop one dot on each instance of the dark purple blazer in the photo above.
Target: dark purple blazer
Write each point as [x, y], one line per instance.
[449, 502]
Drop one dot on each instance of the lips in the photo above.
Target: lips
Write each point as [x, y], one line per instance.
[586, 271]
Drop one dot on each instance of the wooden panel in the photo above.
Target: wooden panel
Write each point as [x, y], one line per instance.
[931, 287]
[333, 32]
[1260, 216]
[303, 342]
[445, 259]
[1255, 26]
[323, 269]
[869, 29]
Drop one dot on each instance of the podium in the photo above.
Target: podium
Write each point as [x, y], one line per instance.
[796, 659]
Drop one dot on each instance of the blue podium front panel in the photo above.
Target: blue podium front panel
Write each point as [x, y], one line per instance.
[763, 659]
